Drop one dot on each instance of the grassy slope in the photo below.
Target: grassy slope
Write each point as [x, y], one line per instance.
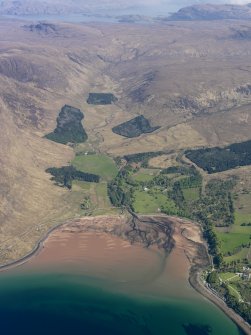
[237, 235]
[106, 168]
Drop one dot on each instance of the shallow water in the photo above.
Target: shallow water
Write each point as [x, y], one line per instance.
[63, 304]
[59, 292]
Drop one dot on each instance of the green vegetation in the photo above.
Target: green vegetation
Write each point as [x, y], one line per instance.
[232, 242]
[152, 202]
[239, 256]
[150, 191]
[221, 159]
[101, 99]
[175, 191]
[135, 127]
[142, 157]
[191, 194]
[232, 289]
[101, 165]
[69, 127]
[143, 176]
[120, 189]
[217, 204]
[65, 175]
[178, 191]
[225, 276]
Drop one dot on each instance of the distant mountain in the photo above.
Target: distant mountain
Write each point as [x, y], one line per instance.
[213, 12]
[30, 7]
[54, 7]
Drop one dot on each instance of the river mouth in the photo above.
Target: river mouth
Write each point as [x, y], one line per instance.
[96, 283]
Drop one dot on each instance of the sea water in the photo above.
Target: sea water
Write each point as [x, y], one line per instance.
[64, 303]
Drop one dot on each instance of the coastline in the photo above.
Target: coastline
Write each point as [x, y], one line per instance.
[195, 282]
[172, 227]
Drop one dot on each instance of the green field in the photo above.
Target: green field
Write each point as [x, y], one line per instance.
[230, 241]
[142, 177]
[101, 165]
[191, 194]
[98, 198]
[229, 276]
[80, 185]
[238, 236]
[241, 217]
[151, 202]
[242, 254]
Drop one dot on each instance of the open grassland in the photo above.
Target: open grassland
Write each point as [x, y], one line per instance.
[163, 161]
[232, 240]
[151, 202]
[239, 256]
[95, 194]
[142, 177]
[229, 276]
[101, 165]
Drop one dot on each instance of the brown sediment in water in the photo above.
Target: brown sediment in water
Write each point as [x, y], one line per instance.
[108, 246]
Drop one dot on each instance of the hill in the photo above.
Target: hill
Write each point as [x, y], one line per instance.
[213, 12]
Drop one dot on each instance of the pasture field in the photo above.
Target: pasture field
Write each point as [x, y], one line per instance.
[102, 165]
[152, 202]
[142, 177]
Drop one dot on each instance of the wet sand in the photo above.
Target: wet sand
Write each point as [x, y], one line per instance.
[83, 247]
[98, 255]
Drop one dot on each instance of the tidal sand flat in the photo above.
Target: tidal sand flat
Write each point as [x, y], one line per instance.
[90, 282]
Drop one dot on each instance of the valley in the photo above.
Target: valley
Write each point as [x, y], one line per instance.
[149, 142]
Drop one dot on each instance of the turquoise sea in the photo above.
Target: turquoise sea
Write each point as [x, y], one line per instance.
[62, 303]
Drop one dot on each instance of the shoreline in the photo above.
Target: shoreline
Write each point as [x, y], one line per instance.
[195, 282]
[113, 229]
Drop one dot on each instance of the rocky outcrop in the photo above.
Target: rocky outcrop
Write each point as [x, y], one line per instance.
[139, 94]
[210, 101]
[242, 34]
[42, 28]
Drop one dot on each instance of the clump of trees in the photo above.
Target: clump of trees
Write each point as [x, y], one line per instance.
[221, 159]
[69, 127]
[134, 127]
[142, 157]
[120, 189]
[65, 175]
[101, 98]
